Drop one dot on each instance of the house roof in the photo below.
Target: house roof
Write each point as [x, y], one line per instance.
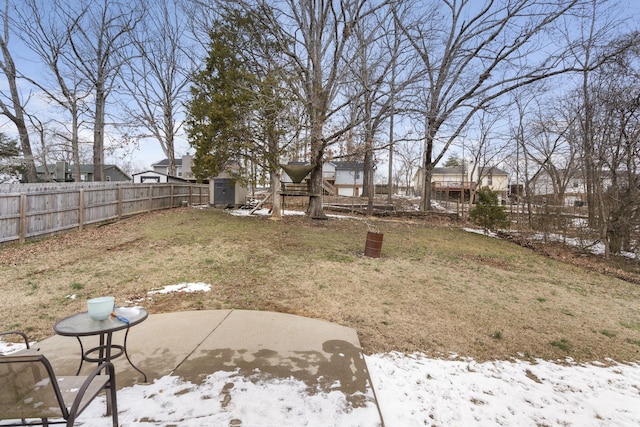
[450, 170]
[150, 172]
[493, 170]
[165, 162]
[84, 168]
[457, 170]
[349, 165]
[337, 164]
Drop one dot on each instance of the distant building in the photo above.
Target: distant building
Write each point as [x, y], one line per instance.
[183, 167]
[456, 179]
[573, 192]
[149, 177]
[224, 190]
[63, 172]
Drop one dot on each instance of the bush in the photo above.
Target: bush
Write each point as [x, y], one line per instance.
[488, 213]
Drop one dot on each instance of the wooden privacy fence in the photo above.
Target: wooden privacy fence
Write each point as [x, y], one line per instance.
[32, 210]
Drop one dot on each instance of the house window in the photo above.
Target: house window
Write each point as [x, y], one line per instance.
[490, 180]
[108, 178]
[357, 174]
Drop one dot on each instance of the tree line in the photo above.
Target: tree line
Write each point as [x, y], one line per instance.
[535, 86]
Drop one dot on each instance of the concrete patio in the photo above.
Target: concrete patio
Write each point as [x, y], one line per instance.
[194, 344]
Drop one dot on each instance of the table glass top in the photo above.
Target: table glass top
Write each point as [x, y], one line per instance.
[81, 324]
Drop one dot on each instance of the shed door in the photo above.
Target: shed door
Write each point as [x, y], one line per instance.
[224, 192]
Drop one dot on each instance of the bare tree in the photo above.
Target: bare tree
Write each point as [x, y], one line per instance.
[593, 35]
[487, 149]
[527, 171]
[100, 45]
[371, 63]
[47, 31]
[313, 35]
[408, 160]
[615, 119]
[475, 54]
[158, 76]
[552, 145]
[12, 105]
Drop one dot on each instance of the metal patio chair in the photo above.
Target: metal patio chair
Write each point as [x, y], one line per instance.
[31, 394]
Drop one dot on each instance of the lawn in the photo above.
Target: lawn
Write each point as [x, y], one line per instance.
[436, 288]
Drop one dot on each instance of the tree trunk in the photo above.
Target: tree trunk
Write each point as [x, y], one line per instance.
[98, 134]
[431, 130]
[315, 200]
[425, 204]
[276, 212]
[367, 181]
[17, 116]
[317, 153]
[75, 144]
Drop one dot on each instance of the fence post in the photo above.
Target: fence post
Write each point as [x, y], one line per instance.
[190, 195]
[81, 210]
[23, 218]
[171, 197]
[150, 198]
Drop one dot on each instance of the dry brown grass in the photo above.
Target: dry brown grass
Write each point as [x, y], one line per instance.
[436, 289]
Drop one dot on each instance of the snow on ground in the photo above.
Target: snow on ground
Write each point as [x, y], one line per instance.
[182, 287]
[411, 389]
[261, 211]
[414, 390]
[595, 247]
[478, 231]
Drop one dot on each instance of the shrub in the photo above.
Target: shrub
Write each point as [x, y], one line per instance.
[488, 213]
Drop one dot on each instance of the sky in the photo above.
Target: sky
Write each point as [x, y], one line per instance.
[148, 151]
[411, 390]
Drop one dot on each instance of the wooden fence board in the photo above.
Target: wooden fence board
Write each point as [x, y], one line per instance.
[32, 210]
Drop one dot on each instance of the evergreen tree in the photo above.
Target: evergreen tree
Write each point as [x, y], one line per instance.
[218, 113]
[453, 161]
[488, 213]
[10, 167]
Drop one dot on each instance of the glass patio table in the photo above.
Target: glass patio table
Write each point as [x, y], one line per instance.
[81, 325]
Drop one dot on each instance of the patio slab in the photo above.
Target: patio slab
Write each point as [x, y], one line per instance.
[258, 345]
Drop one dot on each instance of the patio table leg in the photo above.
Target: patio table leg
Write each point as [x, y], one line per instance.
[126, 353]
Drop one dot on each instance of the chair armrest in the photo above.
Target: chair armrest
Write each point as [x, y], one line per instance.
[79, 403]
[22, 334]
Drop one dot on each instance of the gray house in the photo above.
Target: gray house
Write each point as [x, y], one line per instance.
[63, 172]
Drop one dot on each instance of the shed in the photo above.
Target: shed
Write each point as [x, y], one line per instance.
[149, 177]
[224, 191]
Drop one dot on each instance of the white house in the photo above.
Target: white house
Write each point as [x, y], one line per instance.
[542, 188]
